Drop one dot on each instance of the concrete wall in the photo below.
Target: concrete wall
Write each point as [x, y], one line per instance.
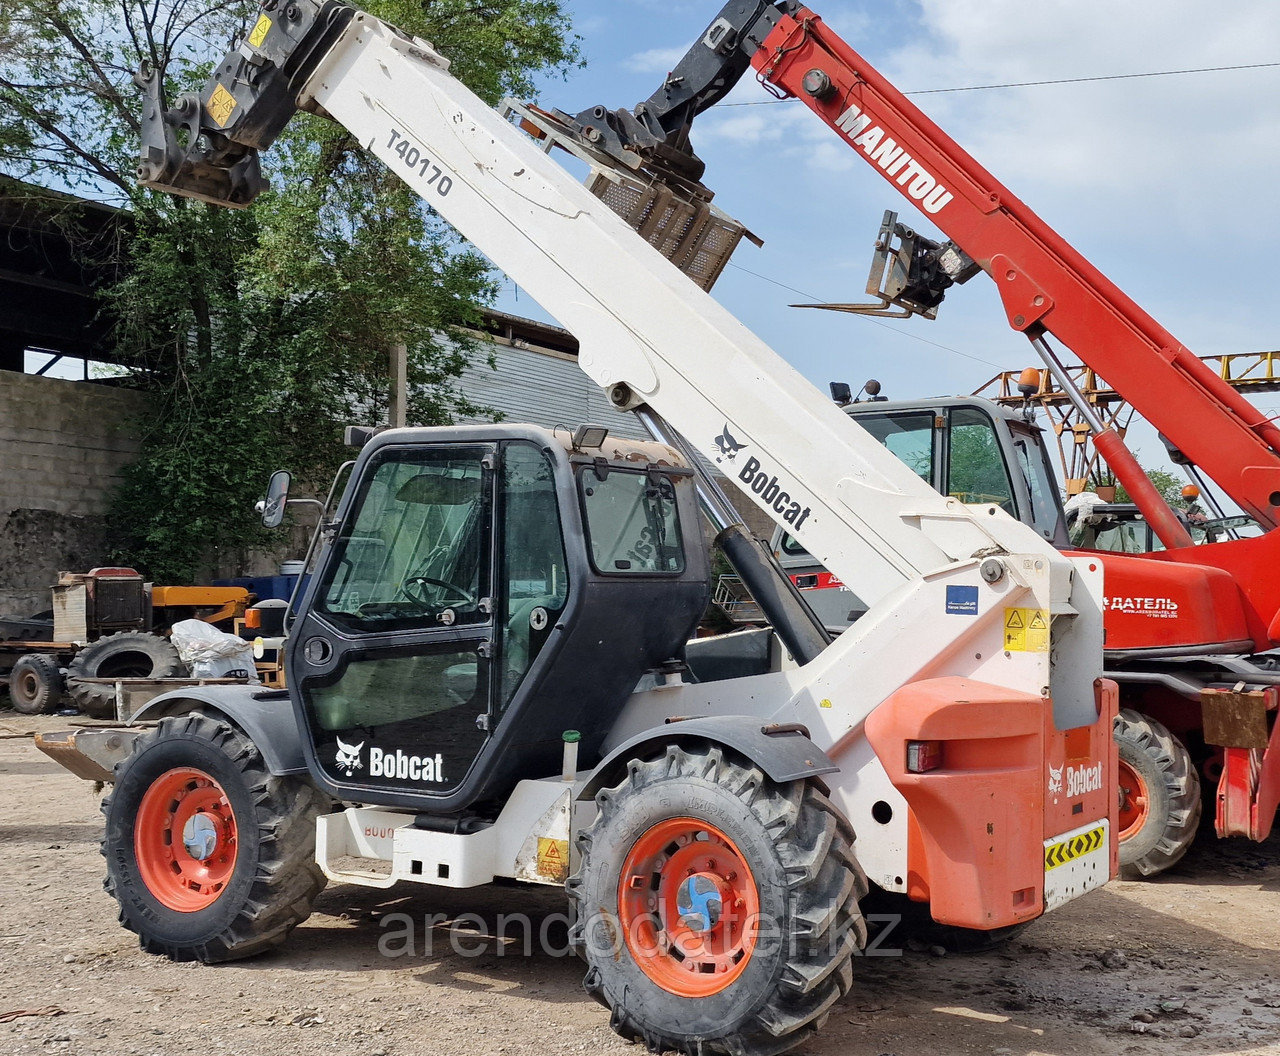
[62, 446]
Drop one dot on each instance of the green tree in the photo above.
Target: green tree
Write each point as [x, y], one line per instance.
[256, 331]
[1169, 485]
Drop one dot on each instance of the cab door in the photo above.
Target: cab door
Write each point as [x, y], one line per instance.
[392, 661]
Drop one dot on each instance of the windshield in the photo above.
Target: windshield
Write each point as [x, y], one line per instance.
[1115, 534]
[411, 546]
[976, 469]
[909, 436]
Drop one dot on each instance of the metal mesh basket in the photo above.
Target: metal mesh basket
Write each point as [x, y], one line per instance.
[695, 236]
[679, 221]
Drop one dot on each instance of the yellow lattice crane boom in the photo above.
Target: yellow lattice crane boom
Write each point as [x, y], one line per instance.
[1248, 372]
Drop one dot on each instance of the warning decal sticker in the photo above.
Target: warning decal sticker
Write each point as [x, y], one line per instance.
[1026, 630]
[259, 33]
[220, 105]
[553, 858]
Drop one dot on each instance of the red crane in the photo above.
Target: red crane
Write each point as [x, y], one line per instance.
[1182, 624]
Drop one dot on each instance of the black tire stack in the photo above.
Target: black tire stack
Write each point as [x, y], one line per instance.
[129, 654]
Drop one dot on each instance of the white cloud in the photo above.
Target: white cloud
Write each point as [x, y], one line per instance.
[656, 60]
[1132, 138]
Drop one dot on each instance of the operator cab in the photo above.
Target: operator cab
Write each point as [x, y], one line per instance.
[1120, 527]
[966, 447]
[464, 615]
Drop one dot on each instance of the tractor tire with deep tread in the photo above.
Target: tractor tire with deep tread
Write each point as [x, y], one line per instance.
[273, 879]
[804, 881]
[1165, 807]
[35, 684]
[129, 654]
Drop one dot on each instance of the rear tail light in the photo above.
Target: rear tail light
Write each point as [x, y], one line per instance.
[923, 756]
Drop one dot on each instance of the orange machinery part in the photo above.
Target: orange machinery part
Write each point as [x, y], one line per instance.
[230, 601]
[979, 823]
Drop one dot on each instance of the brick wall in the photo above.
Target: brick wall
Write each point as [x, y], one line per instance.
[62, 445]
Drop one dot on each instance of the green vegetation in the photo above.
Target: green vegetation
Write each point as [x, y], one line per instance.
[1169, 485]
[256, 332]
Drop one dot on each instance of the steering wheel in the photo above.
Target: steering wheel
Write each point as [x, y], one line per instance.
[406, 588]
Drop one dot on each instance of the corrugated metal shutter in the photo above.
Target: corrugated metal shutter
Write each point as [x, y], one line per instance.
[531, 386]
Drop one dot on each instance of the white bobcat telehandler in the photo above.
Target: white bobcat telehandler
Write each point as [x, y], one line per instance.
[491, 660]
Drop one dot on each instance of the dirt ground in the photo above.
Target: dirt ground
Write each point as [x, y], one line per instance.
[1189, 963]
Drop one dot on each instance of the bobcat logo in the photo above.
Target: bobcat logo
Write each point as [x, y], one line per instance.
[728, 446]
[1055, 780]
[348, 757]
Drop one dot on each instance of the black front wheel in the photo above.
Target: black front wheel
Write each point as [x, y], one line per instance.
[210, 856]
[1159, 796]
[717, 910]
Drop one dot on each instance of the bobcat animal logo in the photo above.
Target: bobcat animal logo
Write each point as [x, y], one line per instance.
[348, 757]
[728, 446]
[1055, 780]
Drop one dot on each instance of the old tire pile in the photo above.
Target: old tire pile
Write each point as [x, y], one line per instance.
[35, 684]
[130, 654]
[1159, 796]
[37, 628]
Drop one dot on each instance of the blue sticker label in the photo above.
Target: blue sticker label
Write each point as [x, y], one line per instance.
[963, 601]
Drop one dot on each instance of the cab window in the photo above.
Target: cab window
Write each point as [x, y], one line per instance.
[976, 469]
[792, 546]
[632, 523]
[415, 545]
[533, 572]
[1046, 513]
[909, 436]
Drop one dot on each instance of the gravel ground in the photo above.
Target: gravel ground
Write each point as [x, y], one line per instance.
[1184, 964]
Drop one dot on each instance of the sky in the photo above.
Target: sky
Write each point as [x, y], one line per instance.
[1166, 183]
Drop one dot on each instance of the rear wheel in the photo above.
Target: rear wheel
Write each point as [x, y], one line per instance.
[35, 684]
[717, 910]
[1159, 796]
[209, 855]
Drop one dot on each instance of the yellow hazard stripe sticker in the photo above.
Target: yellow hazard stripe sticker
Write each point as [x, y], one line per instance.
[1026, 630]
[1074, 847]
[259, 33]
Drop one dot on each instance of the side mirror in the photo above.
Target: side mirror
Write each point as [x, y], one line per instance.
[277, 499]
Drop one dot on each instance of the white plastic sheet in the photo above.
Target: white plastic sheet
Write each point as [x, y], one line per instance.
[211, 653]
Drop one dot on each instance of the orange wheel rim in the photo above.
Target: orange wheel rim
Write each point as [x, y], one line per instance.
[1134, 802]
[688, 907]
[185, 840]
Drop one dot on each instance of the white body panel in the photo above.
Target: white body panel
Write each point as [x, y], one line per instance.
[1084, 871]
[535, 811]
